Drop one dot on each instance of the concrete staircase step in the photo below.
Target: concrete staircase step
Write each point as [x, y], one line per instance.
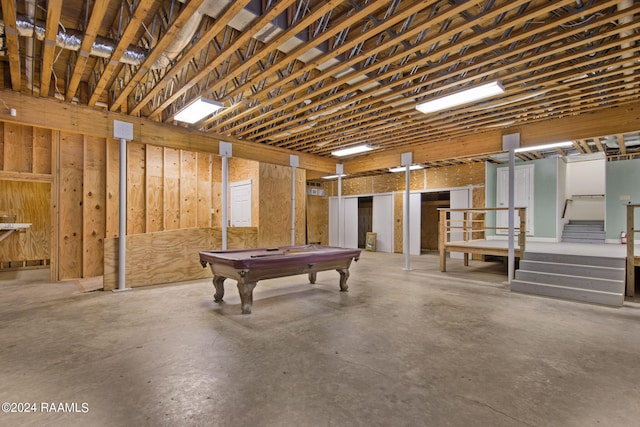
[582, 228]
[576, 259]
[610, 273]
[599, 280]
[582, 240]
[576, 294]
[566, 280]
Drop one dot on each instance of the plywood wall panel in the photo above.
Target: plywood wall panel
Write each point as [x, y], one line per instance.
[188, 189]
[318, 220]
[155, 188]
[170, 256]
[71, 211]
[275, 205]
[42, 150]
[113, 187]
[18, 148]
[1, 145]
[423, 179]
[136, 188]
[398, 222]
[204, 192]
[456, 176]
[94, 206]
[171, 189]
[30, 202]
[300, 211]
[388, 183]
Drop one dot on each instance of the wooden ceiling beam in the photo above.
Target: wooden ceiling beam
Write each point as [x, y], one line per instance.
[235, 45]
[228, 13]
[140, 14]
[312, 65]
[276, 101]
[366, 97]
[54, 10]
[608, 121]
[50, 113]
[437, 121]
[11, 39]
[90, 34]
[273, 44]
[169, 37]
[621, 144]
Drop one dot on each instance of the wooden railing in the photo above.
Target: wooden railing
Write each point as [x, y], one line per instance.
[473, 227]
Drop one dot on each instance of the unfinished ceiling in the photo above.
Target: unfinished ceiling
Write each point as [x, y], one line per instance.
[313, 76]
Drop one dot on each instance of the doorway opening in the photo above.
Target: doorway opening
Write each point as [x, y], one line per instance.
[430, 218]
[365, 219]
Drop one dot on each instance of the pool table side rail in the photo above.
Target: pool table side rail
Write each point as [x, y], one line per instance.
[310, 254]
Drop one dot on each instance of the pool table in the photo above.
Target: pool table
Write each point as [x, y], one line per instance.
[248, 266]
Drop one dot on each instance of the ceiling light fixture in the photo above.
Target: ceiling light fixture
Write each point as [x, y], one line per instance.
[332, 176]
[404, 168]
[351, 150]
[544, 146]
[197, 110]
[466, 96]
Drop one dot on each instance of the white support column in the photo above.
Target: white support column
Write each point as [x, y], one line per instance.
[124, 132]
[294, 161]
[510, 142]
[225, 151]
[339, 169]
[406, 160]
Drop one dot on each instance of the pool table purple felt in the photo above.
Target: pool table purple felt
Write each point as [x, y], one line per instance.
[247, 266]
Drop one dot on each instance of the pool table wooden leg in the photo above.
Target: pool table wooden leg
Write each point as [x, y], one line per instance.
[218, 283]
[246, 295]
[344, 275]
[312, 277]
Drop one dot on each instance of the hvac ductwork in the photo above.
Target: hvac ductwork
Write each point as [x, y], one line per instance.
[103, 47]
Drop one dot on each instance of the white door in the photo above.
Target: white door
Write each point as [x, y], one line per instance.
[349, 222]
[415, 215]
[383, 222]
[350, 228]
[523, 184]
[240, 206]
[458, 199]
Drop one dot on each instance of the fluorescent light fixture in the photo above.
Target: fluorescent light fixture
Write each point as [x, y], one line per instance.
[544, 146]
[460, 98]
[332, 176]
[351, 150]
[404, 168]
[198, 110]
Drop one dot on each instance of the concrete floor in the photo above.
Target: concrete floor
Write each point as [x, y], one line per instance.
[417, 348]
